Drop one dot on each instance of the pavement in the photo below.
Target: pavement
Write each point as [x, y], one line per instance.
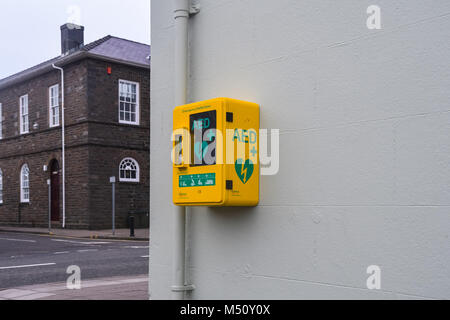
[120, 234]
[28, 259]
[115, 288]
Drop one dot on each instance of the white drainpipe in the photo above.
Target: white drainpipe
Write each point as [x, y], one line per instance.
[182, 11]
[63, 146]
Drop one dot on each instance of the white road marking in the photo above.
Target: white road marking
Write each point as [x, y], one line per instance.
[28, 266]
[95, 243]
[60, 240]
[137, 247]
[63, 252]
[88, 250]
[80, 242]
[145, 256]
[18, 240]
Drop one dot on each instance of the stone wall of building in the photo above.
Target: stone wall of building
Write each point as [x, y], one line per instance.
[111, 142]
[95, 145]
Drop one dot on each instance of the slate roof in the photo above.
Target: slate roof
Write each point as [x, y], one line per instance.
[122, 49]
[110, 48]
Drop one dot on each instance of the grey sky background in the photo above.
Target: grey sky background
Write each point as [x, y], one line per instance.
[30, 34]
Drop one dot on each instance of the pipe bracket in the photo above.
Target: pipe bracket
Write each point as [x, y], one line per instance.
[189, 287]
[194, 9]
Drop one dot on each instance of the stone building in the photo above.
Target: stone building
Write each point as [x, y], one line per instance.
[107, 123]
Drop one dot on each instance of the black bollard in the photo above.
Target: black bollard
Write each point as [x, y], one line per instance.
[131, 226]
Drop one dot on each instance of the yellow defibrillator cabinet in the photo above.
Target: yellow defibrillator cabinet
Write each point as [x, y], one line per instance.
[216, 153]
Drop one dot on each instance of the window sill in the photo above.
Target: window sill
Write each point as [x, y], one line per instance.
[134, 124]
[129, 182]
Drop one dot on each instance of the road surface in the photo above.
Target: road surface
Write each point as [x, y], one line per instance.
[27, 259]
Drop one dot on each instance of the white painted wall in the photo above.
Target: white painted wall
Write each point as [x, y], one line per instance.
[365, 149]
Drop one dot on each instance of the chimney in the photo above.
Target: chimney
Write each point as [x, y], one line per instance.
[72, 38]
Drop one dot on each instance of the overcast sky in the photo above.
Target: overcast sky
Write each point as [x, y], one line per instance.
[30, 34]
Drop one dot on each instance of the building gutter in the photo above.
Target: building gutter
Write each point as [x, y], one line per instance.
[63, 144]
[114, 60]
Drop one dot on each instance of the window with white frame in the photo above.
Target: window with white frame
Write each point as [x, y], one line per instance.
[53, 94]
[129, 170]
[25, 184]
[128, 102]
[24, 124]
[1, 122]
[1, 186]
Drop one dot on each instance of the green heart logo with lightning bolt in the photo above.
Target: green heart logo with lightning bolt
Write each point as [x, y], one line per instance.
[244, 169]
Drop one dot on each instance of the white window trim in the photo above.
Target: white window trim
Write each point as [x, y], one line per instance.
[1, 122]
[1, 186]
[22, 115]
[138, 104]
[22, 200]
[50, 107]
[137, 171]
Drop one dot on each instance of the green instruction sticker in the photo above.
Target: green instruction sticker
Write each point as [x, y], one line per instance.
[198, 180]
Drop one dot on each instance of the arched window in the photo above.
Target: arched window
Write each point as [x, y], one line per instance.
[1, 186]
[129, 170]
[25, 184]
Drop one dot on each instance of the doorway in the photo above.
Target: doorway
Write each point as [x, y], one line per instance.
[54, 178]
